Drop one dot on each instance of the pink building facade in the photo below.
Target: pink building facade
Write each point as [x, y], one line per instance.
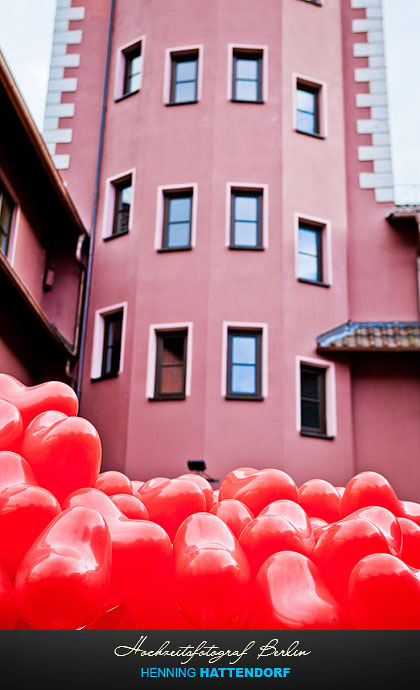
[252, 289]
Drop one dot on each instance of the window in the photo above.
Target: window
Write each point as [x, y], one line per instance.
[244, 365]
[6, 217]
[122, 205]
[247, 76]
[184, 77]
[312, 397]
[171, 354]
[307, 108]
[132, 70]
[246, 219]
[111, 351]
[310, 263]
[177, 216]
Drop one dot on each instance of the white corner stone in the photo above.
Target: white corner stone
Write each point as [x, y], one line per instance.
[62, 85]
[374, 180]
[384, 194]
[68, 37]
[365, 25]
[50, 123]
[373, 12]
[61, 25]
[381, 139]
[378, 86]
[370, 126]
[70, 13]
[63, 3]
[361, 4]
[59, 49]
[51, 148]
[53, 97]
[60, 110]
[68, 60]
[375, 37]
[59, 136]
[62, 161]
[371, 153]
[366, 49]
[379, 113]
[56, 72]
[382, 166]
[367, 100]
[375, 61]
[362, 74]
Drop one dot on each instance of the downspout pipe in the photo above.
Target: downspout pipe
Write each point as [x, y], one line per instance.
[95, 209]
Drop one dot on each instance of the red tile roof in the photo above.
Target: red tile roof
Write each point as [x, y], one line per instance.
[373, 336]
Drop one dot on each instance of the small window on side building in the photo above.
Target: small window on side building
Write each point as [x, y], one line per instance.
[310, 253]
[247, 76]
[313, 400]
[184, 77]
[132, 70]
[246, 220]
[171, 356]
[177, 217]
[111, 351]
[6, 219]
[122, 205]
[244, 365]
[308, 108]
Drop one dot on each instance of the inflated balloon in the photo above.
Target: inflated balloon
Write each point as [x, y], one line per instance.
[113, 482]
[234, 513]
[141, 549]
[136, 484]
[410, 552]
[11, 426]
[15, 470]
[385, 521]
[290, 594]
[267, 534]
[131, 506]
[32, 400]
[64, 452]
[25, 511]
[64, 577]
[320, 499]
[295, 514]
[258, 488]
[384, 594]
[341, 546]
[212, 575]
[8, 613]
[170, 502]
[203, 484]
[369, 489]
[411, 510]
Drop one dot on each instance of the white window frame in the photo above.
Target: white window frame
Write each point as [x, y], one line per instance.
[154, 329]
[167, 74]
[325, 225]
[109, 204]
[246, 326]
[252, 48]
[330, 393]
[120, 66]
[322, 102]
[165, 189]
[247, 187]
[98, 338]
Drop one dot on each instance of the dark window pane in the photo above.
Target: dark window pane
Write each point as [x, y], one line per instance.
[246, 90]
[172, 380]
[170, 365]
[173, 350]
[310, 415]
[112, 344]
[246, 208]
[243, 350]
[132, 71]
[310, 385]
[243, 379]
[6, 214]
[123, 195]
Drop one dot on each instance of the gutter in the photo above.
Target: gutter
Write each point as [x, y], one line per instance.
[94, 210]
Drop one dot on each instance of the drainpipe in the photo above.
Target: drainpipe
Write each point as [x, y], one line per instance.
[95, 209]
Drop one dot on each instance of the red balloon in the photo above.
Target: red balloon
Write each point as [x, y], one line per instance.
[32, 400]
[290, 594]
[204, 485]
[8, 614]
[384, 594]
[116, 618]
[411, 510]
[64, 577]
[212, 576]
[15, 470]
[341, 546]
[171, 501]
[136, 484]
[258, 488]
[369, 489]
[320, 499]
[266, 535]
[11, 426]
[141, 549]
[295, 514]
[410, 552]
[64, 452]
[385, 521]
[318, 527]
[131, 506]
[113, 482]
[25, 511]
[234, 513]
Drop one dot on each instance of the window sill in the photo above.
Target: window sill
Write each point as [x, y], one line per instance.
[314, 2]
[126, 95]
[314, 282]
[252, 249]
[181, 396]
[310, 134]
[164, 250]
[181, 103]
[316, 434]
[239, 100]
[105, 377]
[117, 234]
[248, 398]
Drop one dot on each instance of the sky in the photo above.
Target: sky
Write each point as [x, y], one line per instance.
[26, 28]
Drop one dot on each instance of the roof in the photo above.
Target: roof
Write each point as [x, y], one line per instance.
[404, 213]
[372, 336]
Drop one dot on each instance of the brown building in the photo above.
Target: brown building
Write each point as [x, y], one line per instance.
[42, 252]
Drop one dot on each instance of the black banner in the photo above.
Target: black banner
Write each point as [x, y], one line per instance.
[210, 659]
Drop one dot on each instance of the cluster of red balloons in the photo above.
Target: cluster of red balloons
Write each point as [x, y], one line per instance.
[81, 549]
